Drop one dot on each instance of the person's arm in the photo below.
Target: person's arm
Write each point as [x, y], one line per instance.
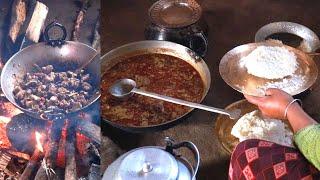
[308, 141]
[298, 119]
[307, 130]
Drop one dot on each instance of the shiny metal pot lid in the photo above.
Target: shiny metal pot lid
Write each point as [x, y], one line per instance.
[154, 163]
[148, 163]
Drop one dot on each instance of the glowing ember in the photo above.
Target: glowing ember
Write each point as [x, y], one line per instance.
[38, 139]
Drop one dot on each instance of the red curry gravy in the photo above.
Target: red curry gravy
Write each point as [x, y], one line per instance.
[159, 73]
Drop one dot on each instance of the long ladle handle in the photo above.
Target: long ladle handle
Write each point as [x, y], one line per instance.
[181, 102]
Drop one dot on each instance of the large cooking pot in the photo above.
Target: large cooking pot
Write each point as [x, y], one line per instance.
[63, 55]
[162, 47]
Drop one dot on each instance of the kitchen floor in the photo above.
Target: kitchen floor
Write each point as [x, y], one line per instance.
[231, 23]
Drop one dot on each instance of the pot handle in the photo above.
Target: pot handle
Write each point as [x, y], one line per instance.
[310, 41]
[187, 144]
[199, 43]
[58, 41]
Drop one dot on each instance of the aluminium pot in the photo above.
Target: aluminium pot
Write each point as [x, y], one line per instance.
[155, 162]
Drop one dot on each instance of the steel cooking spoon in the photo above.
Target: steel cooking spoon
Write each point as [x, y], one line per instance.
[124, 88]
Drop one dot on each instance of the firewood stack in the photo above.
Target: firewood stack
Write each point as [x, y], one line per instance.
[10, 167]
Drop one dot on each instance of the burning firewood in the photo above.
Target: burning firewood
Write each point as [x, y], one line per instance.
[49, 161]
[70, 151]
[43, 171]
[29, 170]
[90, 130]
[34, 161]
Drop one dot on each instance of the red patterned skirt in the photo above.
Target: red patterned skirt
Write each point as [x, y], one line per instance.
[259, 159]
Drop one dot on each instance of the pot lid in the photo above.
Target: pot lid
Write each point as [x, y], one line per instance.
[175, 13]
[148, 163]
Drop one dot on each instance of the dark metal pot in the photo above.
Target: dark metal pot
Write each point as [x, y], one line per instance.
[179, 22]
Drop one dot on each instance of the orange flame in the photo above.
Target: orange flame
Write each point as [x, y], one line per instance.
[38, 139]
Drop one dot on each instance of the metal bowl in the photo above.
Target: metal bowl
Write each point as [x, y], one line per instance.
[310, 38]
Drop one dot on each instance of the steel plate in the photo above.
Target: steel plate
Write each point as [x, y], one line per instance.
[239, 79]
[223, 124]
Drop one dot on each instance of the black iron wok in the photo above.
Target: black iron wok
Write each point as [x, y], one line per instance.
[63, 55]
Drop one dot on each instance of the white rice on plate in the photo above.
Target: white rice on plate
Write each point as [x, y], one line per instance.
[253, 126]
[270, 62]
[289, 85]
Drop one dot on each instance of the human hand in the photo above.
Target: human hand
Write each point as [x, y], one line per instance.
[273, 105]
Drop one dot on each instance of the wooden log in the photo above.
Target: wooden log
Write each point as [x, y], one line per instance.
[37, 22]
[29, 170]
[19, 154]
[32, 165]
[4, 160]
[41, 173]
[79, 20]
[90, 130]
[34, 21]
[52, 145]
[10, 165]
[36, 25]
[17, 19]
[70, 151]
[96, 36]
[18, 16]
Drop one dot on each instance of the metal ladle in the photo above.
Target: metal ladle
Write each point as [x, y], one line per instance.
[124, 88]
